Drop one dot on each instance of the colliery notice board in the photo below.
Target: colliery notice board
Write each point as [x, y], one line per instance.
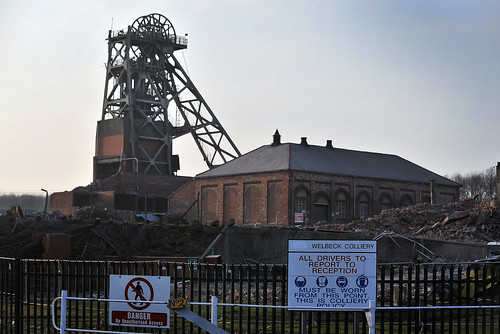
[331, 274]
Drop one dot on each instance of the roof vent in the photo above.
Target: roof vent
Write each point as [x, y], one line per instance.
[276, 139]
[329, 144]
[303, 141]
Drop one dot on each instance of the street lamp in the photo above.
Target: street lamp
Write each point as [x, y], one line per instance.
[46, 199]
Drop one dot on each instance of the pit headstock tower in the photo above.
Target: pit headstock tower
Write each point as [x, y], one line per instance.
[149, 100]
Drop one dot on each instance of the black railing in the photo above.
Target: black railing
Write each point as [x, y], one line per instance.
[29, 286]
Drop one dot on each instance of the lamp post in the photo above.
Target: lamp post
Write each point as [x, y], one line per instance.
[46, 200]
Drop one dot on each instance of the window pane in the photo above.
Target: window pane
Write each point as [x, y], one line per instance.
[300, 204]
[363, 210]
[385, 206]
[341, 209]
[385, 203]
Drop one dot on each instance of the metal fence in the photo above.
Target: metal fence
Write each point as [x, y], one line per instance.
[28, 287]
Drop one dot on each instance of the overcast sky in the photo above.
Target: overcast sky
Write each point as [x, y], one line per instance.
[419, 79]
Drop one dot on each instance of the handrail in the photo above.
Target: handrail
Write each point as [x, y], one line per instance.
[369, 312]
[54, 313]
[63, 329]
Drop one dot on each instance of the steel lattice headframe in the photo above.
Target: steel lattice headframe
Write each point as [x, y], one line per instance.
[147, 87]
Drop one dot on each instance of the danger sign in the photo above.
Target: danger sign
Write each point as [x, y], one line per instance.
[139, 291]
[331, 274]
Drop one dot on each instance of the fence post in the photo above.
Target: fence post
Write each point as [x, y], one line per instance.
[303, 322]
[64, 295]
[356, 322]
[370, 316]
[18, 301]
[214, 310]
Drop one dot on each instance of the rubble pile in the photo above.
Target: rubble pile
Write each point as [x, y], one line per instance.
[103, 237]
[465, 221]
[96, 233]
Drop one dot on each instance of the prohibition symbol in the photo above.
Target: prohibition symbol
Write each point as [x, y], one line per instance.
[139, 293]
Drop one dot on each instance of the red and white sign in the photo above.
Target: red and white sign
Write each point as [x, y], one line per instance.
[138, 291]
[299, 217]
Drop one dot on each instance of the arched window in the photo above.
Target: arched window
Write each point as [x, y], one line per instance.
[341, 204]
[276, 204]
[321, 208]
[301, 205]
[385, 202]
[208, 205]
[363, 205]
[252, 205]
[406, 200]
[230, 205]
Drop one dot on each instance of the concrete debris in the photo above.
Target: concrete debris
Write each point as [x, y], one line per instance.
[15, 213]
[465, 221]
[99, 236]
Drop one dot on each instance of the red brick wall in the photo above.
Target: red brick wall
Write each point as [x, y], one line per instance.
[209, 204]
[231, 208]
[183, 199]
[277, 202]
[269, 198]
[63, 202]
[242, 198]
[110, 146]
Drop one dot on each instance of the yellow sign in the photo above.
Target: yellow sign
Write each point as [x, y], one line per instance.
[177, 303]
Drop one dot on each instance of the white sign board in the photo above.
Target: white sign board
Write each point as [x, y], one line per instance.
[139, 290]
[331, 274]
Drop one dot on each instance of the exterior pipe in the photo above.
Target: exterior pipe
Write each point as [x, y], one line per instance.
[216, 240]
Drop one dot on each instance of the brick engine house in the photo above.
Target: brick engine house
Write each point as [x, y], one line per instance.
[286, 184]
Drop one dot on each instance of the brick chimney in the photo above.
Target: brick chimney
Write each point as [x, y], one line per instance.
[329, 144]
[303, 141]
[276, 139]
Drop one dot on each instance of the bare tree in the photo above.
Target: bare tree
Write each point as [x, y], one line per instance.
[480, 185]
[490, 182]
[26, 201]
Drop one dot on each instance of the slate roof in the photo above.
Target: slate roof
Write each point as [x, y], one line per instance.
[320, 159]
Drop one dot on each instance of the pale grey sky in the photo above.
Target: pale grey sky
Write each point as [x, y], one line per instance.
[415, 78]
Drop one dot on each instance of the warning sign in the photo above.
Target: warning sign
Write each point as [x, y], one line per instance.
[138, 291]
[331, 274]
